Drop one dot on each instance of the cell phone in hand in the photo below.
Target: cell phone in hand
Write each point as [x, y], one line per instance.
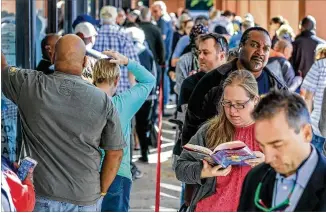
[25, 165]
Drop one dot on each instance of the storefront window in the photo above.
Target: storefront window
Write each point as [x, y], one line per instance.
[8, 30]
[40, 27]
[8, 108]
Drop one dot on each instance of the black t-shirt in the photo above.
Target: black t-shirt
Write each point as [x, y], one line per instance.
[187, 86]
[263, 83]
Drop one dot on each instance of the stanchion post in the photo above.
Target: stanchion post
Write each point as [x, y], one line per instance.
[158, 165]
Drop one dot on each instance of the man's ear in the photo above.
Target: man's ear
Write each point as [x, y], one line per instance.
[85, 61]
[307, 133]
[116, 81]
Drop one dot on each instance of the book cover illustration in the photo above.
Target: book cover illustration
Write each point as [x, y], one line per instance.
[230, 153]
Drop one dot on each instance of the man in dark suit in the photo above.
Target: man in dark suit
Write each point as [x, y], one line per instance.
[293, 177]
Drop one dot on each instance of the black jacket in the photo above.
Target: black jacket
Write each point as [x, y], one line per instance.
[155, 41]
[44, 66]
[313, 198]
[204, 100]
[303, 55]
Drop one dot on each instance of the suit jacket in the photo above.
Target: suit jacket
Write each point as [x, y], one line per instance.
[312, 199]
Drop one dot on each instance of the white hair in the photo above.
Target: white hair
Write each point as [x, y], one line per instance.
[136, 33]
[162, 5]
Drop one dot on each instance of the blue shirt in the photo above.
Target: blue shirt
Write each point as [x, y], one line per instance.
[112, 37]
[263, 83]
[165, 24]
[235, 40]
[181, 46]
[127, 104]
[283, 185]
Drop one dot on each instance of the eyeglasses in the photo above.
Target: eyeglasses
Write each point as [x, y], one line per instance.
[280, 207]
[228, 104]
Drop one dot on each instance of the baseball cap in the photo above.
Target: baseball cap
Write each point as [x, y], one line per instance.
[85, 18]
[85, 28]
[108, 12]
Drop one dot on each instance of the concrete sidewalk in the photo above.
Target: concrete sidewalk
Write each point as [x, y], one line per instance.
[143, 190]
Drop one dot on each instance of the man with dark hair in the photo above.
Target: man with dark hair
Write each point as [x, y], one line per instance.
[293, 175]
[48, 47]
[304, 46]
[253, 56]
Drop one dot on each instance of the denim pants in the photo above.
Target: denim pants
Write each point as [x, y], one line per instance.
[166, 87]
[46, 205]
[118, 195]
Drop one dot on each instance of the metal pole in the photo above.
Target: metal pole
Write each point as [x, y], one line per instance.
[70, 15]
[25, 32]
[52, 16]
[81, 7]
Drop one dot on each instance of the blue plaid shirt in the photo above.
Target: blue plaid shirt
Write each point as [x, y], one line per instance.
[114, 38]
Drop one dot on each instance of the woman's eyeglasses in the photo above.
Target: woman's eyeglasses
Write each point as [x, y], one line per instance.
[228, 104]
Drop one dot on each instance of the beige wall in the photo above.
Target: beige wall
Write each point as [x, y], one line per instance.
[317, 9]
[258, 9]
[281, 7]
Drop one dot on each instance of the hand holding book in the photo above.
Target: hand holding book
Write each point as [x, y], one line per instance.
[260, 158]
[214, 171]
[229, 153]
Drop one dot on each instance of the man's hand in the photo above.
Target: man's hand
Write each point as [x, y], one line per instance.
[29, 178]
[209, 171]
[254, 162]
[3, 61]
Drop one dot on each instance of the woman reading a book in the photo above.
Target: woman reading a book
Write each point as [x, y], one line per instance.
[218, 188]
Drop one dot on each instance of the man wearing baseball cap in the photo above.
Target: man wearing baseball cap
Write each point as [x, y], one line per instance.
[87, 32]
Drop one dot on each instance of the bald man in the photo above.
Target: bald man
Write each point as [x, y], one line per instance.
[278, 62]
[48, 48]
[65, 120]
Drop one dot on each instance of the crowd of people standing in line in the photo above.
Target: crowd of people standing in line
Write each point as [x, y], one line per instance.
[95, 93]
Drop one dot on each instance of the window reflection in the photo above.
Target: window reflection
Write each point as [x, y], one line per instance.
[8, 30]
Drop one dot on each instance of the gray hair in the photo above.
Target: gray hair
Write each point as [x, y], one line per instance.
[145, 14]
[162, 5]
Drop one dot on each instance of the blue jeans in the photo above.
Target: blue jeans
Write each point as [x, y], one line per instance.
[45, 205]
[318, 142]
[118, 195]
[166, 87]
[182, 194]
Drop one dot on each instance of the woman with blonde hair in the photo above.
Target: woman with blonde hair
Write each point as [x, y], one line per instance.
[219, 189]
[106, 76]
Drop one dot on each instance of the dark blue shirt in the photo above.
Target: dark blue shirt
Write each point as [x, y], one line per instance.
[263, 83]
[165, 24]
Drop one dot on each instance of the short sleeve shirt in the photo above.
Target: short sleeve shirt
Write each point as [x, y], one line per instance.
[315, 82]
[65, 120]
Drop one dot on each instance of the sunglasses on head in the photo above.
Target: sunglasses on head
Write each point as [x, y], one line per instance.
[220, 40]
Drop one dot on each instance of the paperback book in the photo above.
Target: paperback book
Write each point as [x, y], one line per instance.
[225, 154]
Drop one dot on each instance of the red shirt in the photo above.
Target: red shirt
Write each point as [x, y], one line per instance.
[22, 193]
[228, 188]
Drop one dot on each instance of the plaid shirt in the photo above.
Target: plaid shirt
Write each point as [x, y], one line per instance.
[114, 38]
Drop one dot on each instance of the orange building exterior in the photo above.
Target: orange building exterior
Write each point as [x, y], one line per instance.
[264, 10]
